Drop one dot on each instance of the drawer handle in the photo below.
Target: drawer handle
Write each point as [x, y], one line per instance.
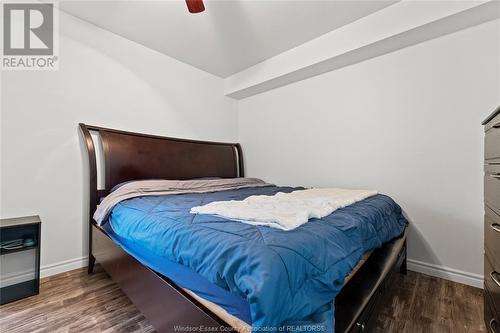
[494, 278]
[496, 175]
[493, 322]
[362, 326]
[496, 125]
[496, 227]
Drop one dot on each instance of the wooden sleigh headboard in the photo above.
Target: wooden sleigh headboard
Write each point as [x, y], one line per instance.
[134, 156]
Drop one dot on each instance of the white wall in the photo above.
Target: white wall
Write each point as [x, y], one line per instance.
[103, 80]
[406, 123]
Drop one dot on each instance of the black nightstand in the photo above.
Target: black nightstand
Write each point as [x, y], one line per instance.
[19, 258]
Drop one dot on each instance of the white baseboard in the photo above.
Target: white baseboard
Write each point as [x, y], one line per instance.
[45, 271]
[446, 273]
[63, 266]
[18, 277]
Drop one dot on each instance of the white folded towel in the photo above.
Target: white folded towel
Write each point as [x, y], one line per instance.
[285, 211]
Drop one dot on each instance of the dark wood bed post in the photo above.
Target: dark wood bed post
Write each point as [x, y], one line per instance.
[241, 169]
[92, 188]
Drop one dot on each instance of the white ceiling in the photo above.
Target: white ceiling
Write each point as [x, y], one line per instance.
[230, 35]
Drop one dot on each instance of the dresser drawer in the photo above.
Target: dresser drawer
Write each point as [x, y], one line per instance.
[490, 316]
[492, 186]
[492, 234]
[492, 139]
[492, 281]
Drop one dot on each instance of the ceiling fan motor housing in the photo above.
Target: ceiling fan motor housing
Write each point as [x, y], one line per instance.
[195, 6]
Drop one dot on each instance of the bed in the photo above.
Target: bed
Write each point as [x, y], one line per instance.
[178, 305]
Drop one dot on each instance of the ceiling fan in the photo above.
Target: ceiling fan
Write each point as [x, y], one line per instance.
[195, 6]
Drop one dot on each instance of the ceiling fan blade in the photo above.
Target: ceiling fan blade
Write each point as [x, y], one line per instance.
[195, 6]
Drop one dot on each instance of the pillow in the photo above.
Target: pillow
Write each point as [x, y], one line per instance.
[117, 186]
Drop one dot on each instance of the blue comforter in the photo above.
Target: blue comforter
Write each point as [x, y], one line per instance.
[289, 278]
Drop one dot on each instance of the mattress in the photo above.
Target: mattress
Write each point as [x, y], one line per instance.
[233, 309]
[245, 270]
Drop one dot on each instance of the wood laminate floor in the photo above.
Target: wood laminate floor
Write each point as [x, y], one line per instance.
[77, 302]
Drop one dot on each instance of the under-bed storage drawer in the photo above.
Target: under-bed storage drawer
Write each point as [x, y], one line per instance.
[491, 139]
[492, 234]
[358, 304]
[492, 186]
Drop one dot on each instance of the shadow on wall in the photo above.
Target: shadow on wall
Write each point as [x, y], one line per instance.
[416, 240]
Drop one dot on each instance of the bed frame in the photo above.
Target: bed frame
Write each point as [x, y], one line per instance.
[133, 156]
